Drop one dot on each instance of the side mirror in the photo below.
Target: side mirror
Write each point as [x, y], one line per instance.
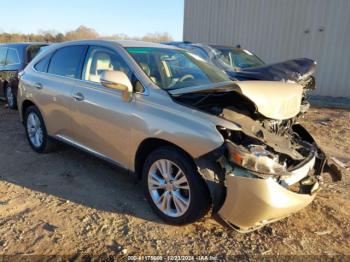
[117, 80]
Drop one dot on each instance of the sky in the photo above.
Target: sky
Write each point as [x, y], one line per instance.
[107, 17]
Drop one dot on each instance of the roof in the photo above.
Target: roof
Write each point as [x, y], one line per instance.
[225, 47]
[176, 43]
[123, 43]
[134, 43]
[25, 43]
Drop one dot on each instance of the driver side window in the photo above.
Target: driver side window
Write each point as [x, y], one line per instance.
[100, 59]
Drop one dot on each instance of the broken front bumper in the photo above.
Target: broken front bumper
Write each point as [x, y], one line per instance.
[252, 202]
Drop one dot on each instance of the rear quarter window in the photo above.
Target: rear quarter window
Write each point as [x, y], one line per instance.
[43, 64]
[12, 57]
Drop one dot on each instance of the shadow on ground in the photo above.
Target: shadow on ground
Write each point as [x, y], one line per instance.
[68, 173]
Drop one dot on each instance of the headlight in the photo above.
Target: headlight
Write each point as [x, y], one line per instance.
[256, 159]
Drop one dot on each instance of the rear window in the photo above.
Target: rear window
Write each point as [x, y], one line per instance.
[12, 57]
[32, 51]
[67, 61]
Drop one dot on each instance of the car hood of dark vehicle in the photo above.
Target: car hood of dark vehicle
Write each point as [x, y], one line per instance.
[291, 70]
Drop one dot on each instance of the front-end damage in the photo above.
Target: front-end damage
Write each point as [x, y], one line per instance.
[265, 171]
[266, 185]
[252, 185]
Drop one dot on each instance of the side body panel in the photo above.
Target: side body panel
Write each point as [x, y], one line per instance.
[158, 116]
[101, 121]
[54, 100]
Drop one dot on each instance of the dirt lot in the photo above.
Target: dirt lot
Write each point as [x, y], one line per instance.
[69, 203]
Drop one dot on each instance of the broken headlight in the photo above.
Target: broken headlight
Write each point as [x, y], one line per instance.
[256, 158]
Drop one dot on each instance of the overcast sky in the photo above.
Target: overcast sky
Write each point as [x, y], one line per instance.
[108, 17]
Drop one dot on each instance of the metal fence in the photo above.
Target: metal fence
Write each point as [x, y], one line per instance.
[278, 30]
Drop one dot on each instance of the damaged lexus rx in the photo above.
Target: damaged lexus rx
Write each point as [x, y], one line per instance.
[197, 140]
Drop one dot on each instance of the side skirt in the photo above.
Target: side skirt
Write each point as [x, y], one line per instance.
[88, 150]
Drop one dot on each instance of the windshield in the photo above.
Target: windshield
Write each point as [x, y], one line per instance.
[173, 69]
[239, 58]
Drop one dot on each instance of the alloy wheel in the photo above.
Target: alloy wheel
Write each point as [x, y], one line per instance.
[10, 97]
[169, 188]
[34, 128]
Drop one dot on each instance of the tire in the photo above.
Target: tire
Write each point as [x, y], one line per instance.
[10, 97]
[173, 192]
[36, 132]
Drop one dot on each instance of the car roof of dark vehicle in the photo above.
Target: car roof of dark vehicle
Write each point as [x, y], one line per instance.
[176, 43]
[23, 44]
[226, 47]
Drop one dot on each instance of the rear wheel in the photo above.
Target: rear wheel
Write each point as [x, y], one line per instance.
[36, 131]
[173, 187]
[10, 98]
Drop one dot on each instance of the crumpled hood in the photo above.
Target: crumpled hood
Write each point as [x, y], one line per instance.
[275, 100]
[292, 70]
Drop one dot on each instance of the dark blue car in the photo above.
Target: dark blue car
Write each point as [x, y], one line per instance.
[240, 64]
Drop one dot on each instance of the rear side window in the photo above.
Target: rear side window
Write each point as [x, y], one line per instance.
[3, 51]
[12, 57]
[67, 61]
[43, 64]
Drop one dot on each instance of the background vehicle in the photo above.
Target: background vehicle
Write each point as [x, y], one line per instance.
[13, 58]
[240, 64]
[196, 139]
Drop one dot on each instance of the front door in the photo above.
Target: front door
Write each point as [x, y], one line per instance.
[101, 119]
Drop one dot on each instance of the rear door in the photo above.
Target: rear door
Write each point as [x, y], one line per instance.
[52, 85]
[100, 116]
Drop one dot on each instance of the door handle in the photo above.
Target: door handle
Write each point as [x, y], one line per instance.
[38, 85]
[78, 96]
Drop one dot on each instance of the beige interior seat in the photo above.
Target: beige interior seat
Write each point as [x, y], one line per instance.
[101, 62]
[147, 70]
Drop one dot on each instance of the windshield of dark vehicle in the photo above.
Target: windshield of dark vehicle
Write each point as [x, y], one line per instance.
[173, 69]
[239, 58]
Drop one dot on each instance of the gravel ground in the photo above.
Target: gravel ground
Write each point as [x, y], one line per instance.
[69, 203]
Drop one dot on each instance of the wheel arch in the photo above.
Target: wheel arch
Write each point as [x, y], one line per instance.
[24, 106]
[4, 86]
[147, 146]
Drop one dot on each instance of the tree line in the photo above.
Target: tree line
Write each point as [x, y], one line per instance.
[82, 32]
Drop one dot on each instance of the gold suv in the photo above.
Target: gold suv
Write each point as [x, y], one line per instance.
[196, 139]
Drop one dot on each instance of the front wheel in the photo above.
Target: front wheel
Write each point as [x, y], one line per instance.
[173, 187]
[10, 98]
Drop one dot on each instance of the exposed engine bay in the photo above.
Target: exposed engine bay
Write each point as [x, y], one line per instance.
[274, 141]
